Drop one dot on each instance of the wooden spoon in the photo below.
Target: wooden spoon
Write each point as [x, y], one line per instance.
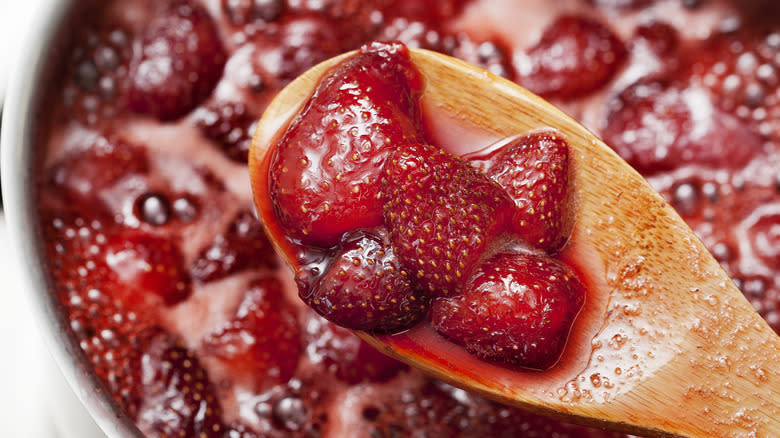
[666, 345]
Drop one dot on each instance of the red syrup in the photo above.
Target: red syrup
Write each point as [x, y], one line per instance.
[113, 165]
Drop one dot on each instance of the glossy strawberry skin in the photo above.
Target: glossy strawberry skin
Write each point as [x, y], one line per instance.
[325, 171]
[575, 55]
[180, 62]
[145, 265]
[242, 246]
[442, 215]
[179, 398]
[517, 309]
[264, 322]
[534, 171]
[365, 288]
[656, 126]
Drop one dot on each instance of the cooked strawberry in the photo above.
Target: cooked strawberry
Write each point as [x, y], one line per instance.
[345, 355]
[365, 288]
[442, 214]
[179, 399]
[325, 172]
[243, 245]
[241, 12]
[575, 56]
[145, 268]
[741, 72]
[83, 174]
[656, 126]
[516, 309]
[230, 125]
[534, 171]
[98, 81]
[181, 60]
[261, 344]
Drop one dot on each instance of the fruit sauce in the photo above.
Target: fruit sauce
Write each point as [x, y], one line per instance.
[178, 300]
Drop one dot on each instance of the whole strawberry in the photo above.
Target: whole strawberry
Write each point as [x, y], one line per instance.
[442, 215]
[517, 309]
[365, 288]
[534, 171]
[326, 168]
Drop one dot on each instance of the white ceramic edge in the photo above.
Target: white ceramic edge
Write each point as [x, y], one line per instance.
[16, 141]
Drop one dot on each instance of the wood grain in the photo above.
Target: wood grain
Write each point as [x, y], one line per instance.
[667, 345]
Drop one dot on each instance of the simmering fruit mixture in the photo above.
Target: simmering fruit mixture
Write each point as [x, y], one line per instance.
[176, 297]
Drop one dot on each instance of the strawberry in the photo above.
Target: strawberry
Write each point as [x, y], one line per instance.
[325, 171]
[534, 171]
[145, 268]
[517, 309]
[442, 215]
[575, 56]
[181, 60]
[656, 126]
[179, 398]
[242, 246]
[264, 322]
[242, 12]
[365, 288]
[98, 82]
[740, 71]
[83, 174]
[230, 125]
[345, 355]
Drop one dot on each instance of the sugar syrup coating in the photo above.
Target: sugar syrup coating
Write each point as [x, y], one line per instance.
[732, 209]
[325, 170]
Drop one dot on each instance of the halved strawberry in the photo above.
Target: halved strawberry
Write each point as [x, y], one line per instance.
[534, 171]
[325, 172]
[181, 60]
[261, 344]
[366, 288]
[179, 399]
[516, 309]
[575, 56]
[442, 214]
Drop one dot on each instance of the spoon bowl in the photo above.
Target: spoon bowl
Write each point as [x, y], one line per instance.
[666, 344]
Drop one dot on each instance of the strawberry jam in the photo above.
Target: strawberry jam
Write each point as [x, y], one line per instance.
[177, 299]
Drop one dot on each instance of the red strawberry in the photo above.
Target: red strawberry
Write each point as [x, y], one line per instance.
[261, 344]
[180, 62]
[325, 172]
[241, 12]
[242, 246]
[534, 171]
[84, 174]
[365, 288]
[442, 215]
[98, 83]
[179, 398]
[656, 127]
[144, 265]
[342, 353]
[516, 309]
[230, 124]
[741, 72]
[575, 55]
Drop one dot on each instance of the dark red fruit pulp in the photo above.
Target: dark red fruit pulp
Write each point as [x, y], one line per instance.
[366, 288]
[325, 172]
[517, 308]
[102, 171]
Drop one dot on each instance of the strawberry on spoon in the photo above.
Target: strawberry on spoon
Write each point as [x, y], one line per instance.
[665, 344]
